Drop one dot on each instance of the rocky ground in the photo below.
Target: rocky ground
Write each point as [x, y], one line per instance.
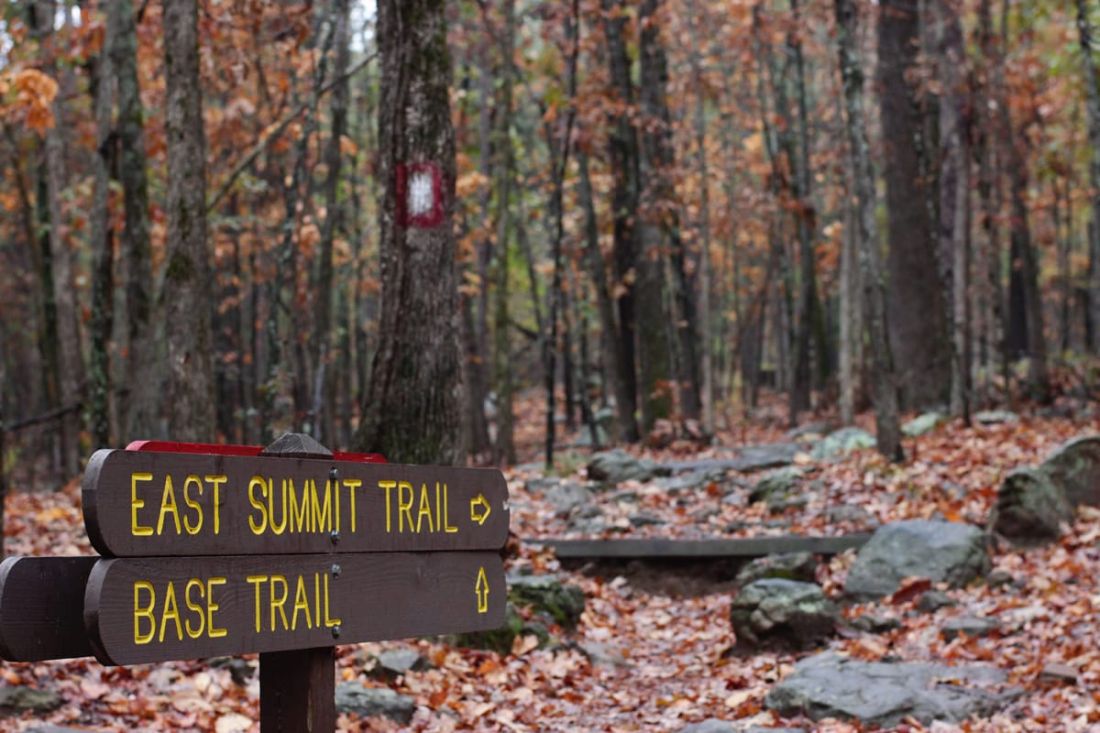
[933, 625]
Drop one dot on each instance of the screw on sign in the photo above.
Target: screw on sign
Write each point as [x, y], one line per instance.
[286, 551]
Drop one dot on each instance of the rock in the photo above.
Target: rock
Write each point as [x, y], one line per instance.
[567, 496]
[240, 670]
[874, 623]
[646, 519]
[709, 726]
[972, 626]
[394, 662]
[28, 699]
[995, 417]
[885, 693]
[811, 431]
[617, 465]
[500, 640]
[940, 551]
[775, 484]
[1030, 508]
[853, 513]
[369, 702]
[997, 578]
[584, 437]
[783, 613]
[933, 600]
[604, 655]
[1055, 672]
[759, 457]
[1075, 469]
[790, 565]
[697, 479]
[840, 443]
[923, 423]
[547, 594]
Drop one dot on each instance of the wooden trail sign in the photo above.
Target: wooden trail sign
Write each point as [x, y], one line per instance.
[159, 609]
[286, 551]
[143, 503]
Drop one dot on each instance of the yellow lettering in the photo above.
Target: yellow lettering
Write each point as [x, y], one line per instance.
[170, 611]
[329, 622]
[276, 528]
[138, 530]
[146, 612]
[214, 632]
[317, 600]
[352, 485]
[404, 508]
[192, 504]
[425, 509]
[217, 480]
[257, 581]
[301, 603]
[387, 485]
[447, 527]
[438, 507]
[168, 504]
[336, 491]
[194, 607]
[300, 520]
[261, 526]
[322, 517]
[278, 603]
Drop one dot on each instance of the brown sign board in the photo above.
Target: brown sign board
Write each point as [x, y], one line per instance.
[41, 608]
[139, 610]
[146, 503]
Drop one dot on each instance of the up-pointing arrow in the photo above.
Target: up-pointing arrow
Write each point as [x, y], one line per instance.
[479, 502]
[481, 589]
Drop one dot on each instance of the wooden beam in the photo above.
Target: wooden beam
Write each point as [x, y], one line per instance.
[660, 548]
[42, 608]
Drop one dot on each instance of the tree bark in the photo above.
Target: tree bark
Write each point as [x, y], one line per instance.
[412, 408]
[102, 238]
[324, 422]
[1092, 105]
[919, 336]
[144, 371]
[186, 299]
[624, 159]
[874, 297]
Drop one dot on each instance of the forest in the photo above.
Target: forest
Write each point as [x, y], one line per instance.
[682, 269]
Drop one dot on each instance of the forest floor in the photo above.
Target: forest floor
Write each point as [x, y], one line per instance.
[652, 652]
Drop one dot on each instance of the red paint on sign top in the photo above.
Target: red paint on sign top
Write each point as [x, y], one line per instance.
[218, 449]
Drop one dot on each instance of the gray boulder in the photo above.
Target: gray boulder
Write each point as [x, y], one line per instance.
[933, 600]
[546, 594]
[775, 612]
[922, 424]
[840, 443]
[776, 485]
[391, 663]
[617, 465]
[885, 693]
[972, 626]
[1030, 508]
[28, 699]
[1075, 469]
[940, 551]
[567, 496]
[369, 702]
[995, 417]
[790, 565]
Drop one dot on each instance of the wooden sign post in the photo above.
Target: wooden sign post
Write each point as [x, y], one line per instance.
[286, 551]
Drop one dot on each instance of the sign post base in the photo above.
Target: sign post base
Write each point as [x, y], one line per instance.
[298, 690]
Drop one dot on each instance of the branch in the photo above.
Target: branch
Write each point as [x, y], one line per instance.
[277, 130]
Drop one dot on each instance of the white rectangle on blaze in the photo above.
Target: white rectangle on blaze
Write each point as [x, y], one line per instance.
[420, 194]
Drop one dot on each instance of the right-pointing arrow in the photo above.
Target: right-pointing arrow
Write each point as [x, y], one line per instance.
[479, 509]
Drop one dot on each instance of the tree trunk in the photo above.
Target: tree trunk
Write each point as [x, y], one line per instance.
[623, 146]
[1092, 100]
[954, 199]
[144, 371]
[102, 244]
[187, 295]
[874, 296]
[412, 409]
[597, 273]
[324, 423]
[919, 336]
